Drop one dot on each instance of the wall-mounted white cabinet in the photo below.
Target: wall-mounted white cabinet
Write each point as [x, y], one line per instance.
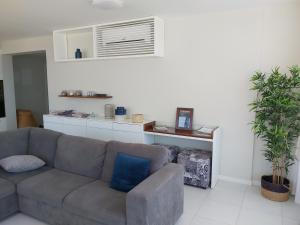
[131, 38]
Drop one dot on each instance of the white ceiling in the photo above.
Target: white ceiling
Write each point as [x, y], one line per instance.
[27, 18]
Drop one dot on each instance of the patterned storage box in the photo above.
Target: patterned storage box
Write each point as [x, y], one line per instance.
[197, 164]
[174, 151]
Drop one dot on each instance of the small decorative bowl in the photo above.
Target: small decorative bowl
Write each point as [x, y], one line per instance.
[138, 118]
[78, 93]
[71, 93]
[64, 93]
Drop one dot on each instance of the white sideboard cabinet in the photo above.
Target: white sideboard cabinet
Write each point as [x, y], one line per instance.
[97, 128]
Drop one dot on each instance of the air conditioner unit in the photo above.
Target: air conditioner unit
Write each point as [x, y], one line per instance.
[144, 37]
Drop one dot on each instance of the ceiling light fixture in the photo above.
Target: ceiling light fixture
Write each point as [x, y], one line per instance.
[108, 4]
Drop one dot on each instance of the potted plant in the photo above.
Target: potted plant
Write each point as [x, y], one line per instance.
[277, 123]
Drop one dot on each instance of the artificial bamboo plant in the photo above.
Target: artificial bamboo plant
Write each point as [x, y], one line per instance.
[277, 119]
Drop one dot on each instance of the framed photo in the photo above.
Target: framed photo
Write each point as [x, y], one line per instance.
[184, 119]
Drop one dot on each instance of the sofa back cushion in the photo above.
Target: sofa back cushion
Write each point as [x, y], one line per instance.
[14, 142]
[157, 154]
[43, 144]
[79, 155]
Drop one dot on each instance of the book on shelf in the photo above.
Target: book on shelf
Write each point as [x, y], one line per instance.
[205, 131]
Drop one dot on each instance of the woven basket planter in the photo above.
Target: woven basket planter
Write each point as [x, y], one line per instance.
[275, 192]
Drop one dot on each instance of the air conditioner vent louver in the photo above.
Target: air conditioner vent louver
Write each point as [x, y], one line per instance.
[132, 38]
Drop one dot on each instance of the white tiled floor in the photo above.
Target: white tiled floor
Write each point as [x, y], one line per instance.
[234, 204]
[227, 204]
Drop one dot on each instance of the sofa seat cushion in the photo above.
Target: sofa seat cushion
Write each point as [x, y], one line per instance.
[18, 177]
[52, 186]
[6, 188]
[8, 199]
[98, 202]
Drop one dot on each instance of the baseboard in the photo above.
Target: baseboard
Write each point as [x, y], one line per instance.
[235, 180]
[256, 182]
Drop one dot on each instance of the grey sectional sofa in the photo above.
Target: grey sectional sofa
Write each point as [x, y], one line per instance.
[73, 187]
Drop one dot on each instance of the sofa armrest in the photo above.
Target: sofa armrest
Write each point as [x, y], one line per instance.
[158, 200]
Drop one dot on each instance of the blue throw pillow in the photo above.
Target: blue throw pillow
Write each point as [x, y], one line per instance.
[129, 171]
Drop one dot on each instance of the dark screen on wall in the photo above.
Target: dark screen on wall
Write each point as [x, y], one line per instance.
[2, 105]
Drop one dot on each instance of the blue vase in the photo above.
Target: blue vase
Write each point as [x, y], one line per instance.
[120, 111]
[78, 54]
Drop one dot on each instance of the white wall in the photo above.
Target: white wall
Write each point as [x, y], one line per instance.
[3, 125]
[281, 46]
[1, 72]
[209, 60]
[9, 92]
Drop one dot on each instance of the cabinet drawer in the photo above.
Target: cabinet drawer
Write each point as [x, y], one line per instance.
[75, 121]
[100, 124]
[53, 119]
[128, 137]
[99, 133]
[75, 130]
[54, 126]
[128, 127]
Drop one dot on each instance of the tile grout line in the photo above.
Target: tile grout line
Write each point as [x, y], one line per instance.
[281, 206]
[193, 217]
[213, 220]
[241, 207]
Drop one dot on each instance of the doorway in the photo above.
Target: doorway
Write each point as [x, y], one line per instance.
[31, 88]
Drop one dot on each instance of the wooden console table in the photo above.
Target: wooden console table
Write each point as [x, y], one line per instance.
[210, 142]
